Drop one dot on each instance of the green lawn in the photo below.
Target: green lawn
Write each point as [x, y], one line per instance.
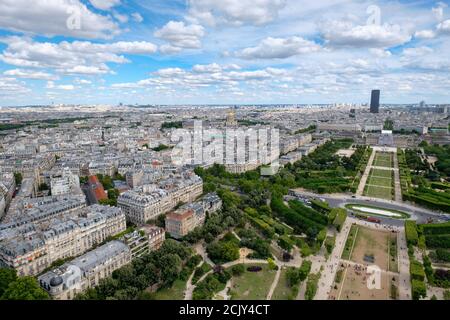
[383, 160]
[176, 292]
[349, 243]
[379, 184]
[379, 192]
[252, 285]
[393, 255]
[283, 291]
[381, 173]
[376, 181]
[356, 208]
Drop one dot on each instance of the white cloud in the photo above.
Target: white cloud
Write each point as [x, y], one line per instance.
[50, 18]
[11, 86]
[209, 68]
[78, 57]
[380, 53]
[104, 4]
[417, 52]
[438, 11]
[65, 87]
[30, 74]
[444, 27]
[279, 48]
[82, 81]
[234, 12]
[169, 49]
[345, 33]
[205, 76]
[122, 18]
[137, 17]
[180, 36]
[425, 34]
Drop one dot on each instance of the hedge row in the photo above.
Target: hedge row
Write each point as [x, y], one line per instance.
[308, 213]
[443, 228]
[263, 226]
[429, 198]
[412, 236]
[418, 289]
[300, 223]
[416, 270]
[330, 243]
[339, 221]
[321, 206]
[443, 255]
[438, 241]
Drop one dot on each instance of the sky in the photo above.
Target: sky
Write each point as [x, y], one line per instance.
[223, 52]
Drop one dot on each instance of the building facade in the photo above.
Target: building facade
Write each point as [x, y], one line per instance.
[32, 248]
[150, 201]
[86, 271]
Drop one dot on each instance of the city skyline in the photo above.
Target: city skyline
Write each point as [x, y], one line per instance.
[232, 52]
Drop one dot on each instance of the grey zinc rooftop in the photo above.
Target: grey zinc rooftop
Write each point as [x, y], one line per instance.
[88, 261]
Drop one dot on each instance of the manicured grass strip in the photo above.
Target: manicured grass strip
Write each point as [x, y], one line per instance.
[252, 285]
[351, 206]
[350, 242]
[175, 292]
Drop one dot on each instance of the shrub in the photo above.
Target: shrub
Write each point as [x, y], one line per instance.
[221, 252]
[443, 255]
[412, 237]
[418, 289]
[321, 237]
[329, 244]
[304, 270]
[428, 269]
[238, 269]
[442, 228]
[285, 242]
[254, 269]
[438, 241]
[339, 221]
[272, 264]
[311, 286]
[416, 270]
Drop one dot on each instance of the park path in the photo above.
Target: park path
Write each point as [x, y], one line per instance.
[317, 263]
[332, 265]
[365, 175]
[189, 286]
[274, 284]
[403, 266]
[224, 292]
[301, 292]
[200, 250]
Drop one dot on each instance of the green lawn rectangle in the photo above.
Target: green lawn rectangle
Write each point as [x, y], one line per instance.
[378, 181]
[379, 192]
[349, 242]
[383, 160]
[252, 285]
[381, 173]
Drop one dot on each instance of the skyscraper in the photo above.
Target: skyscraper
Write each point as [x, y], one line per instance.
[375, 101]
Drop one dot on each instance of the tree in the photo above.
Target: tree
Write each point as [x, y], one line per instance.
[223, 251]
[293, 276]
[25, 288]
[7, 276]
[18, 178]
